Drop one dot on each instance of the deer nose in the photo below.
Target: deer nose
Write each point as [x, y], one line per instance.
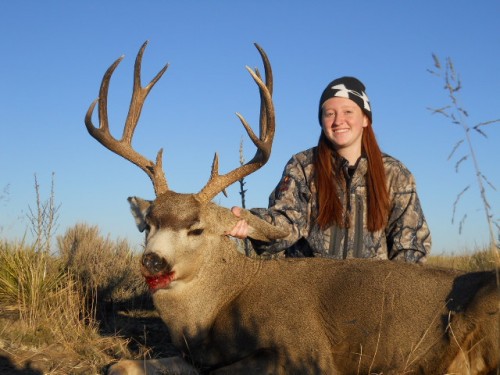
[153, 263]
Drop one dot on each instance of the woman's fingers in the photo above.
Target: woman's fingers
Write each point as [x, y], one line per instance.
[240, 230]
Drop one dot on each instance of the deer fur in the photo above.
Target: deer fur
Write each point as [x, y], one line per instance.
[231, 314]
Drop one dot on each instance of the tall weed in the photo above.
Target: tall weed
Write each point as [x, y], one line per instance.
[43, 218]
[28, 278]
[458, 115]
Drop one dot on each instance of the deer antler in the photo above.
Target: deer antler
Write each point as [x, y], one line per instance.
[123, 147]
[217, 183]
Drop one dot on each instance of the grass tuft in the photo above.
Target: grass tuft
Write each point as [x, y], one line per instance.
[49, 304]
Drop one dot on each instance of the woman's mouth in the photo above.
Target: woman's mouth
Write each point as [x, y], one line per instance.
[337, 131]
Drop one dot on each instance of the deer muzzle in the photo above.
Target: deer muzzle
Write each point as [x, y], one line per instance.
[156, 271]
[154, 264]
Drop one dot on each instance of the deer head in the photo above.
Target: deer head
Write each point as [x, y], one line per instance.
[181, 226]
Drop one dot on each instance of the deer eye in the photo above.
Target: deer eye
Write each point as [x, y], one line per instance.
[149, 229]
[195, 232]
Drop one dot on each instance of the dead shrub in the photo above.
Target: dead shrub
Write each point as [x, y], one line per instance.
[105, 267]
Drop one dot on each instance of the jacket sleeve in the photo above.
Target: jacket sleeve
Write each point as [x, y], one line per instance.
[289, 208]
[407, 233]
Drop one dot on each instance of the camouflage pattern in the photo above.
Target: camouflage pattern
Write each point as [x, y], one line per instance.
[293, 204]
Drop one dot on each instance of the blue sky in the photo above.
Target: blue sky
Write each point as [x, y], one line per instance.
[54, 54]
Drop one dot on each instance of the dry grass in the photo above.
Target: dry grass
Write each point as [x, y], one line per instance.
[469, 261]
[42, 311]
[70, 313]
[65, 314]
[106, 267]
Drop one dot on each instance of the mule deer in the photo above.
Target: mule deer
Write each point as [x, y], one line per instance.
[232, 314]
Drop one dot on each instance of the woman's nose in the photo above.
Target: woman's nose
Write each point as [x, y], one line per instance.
[339, 119]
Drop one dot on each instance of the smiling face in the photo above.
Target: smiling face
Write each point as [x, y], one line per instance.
[343, 122]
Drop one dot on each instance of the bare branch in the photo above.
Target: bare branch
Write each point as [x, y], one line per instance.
[480, 132]
[441, 111]
[488, 182]
[463, 111]
[461, 224]
[437, 63]
[455, 148]
[457, 165]
[487, 123]
[457, 200]
[43, 218]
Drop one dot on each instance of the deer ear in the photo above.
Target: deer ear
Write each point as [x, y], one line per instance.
[139, 208]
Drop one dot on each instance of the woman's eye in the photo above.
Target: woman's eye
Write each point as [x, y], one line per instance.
[195, 232]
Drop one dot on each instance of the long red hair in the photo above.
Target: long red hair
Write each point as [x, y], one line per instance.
[330, 182]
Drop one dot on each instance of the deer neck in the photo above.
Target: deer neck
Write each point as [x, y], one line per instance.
[191, 310]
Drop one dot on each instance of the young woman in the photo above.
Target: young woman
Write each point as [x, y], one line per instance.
[344, 198]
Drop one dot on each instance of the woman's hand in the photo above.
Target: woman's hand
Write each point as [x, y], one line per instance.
[240, 230]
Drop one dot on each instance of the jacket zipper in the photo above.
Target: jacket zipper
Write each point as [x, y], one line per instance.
[358, 228]
[348, 180]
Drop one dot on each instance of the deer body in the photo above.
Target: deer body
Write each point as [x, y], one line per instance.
[315, 315]
[234, 315]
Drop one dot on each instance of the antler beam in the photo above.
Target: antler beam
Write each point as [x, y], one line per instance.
[217, 183]
[123, 147]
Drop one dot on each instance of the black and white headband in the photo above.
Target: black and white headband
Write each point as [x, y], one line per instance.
[350, 88]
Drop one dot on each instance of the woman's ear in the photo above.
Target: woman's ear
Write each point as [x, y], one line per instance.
[366, 121]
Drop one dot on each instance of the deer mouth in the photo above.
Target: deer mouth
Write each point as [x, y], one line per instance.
[157, 272]
[157, 282]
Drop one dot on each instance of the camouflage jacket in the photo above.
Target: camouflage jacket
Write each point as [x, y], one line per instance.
[293, 204]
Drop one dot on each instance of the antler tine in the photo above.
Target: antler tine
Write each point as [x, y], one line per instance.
[218, 183]
[269, 83]
[123, 147]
